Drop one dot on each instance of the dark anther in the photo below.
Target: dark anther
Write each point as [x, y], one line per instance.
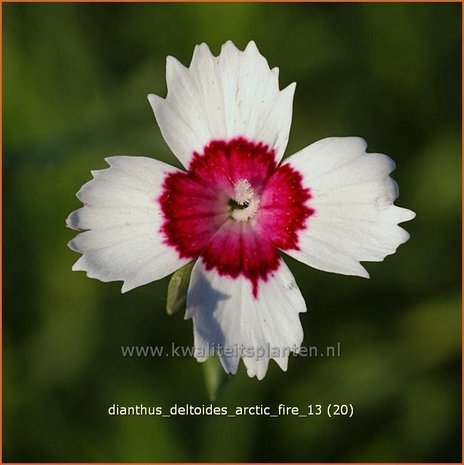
[238, 206]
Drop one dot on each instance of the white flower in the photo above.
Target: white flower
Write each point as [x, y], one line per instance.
[237, 207]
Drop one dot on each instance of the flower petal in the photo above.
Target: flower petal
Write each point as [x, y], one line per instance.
[354, 216]
[226, 315]
[121, 220]
[219, 98]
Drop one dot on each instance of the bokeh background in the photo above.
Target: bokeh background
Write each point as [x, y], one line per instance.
[75, 83]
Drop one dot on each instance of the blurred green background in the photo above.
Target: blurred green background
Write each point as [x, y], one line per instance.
[75, 82]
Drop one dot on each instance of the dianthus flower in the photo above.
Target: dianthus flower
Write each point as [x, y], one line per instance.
[237, 207]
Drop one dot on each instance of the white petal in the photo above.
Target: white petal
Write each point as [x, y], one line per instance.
[226, 314]
[121, 220]
[352, 195]
[234, 94]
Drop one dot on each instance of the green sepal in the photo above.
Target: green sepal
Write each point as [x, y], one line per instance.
[177, 289]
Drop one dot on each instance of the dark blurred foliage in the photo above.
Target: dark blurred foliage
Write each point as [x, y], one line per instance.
[75, 83]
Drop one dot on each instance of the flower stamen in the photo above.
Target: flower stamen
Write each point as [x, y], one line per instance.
[245, 203]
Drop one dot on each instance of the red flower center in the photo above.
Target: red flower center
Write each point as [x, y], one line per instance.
[235, 208]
